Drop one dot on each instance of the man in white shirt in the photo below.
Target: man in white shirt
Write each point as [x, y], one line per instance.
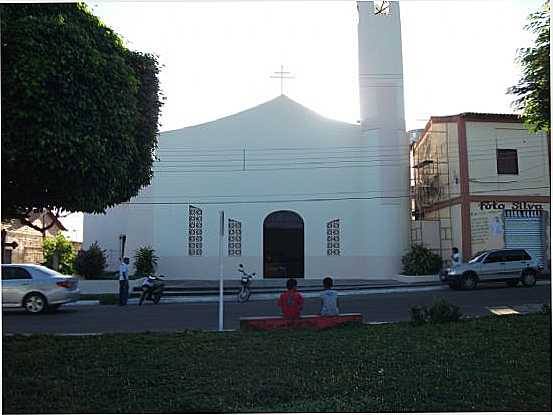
[455, 256]
[124, 281]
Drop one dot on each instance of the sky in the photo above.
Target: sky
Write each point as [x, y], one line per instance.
[217, 57]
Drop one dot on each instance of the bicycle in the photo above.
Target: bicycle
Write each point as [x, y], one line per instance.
[245, 280]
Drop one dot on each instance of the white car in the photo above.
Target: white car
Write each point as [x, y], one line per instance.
[509, 265]
[37, 288]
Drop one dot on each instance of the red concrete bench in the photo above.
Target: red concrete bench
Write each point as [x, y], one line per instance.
[308, 321]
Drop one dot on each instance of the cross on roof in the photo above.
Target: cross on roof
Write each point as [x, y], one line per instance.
[282, 75]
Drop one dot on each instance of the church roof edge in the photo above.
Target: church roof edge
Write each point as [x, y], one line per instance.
[278, 99]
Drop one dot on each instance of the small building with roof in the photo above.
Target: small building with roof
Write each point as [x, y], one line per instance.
[481, 181]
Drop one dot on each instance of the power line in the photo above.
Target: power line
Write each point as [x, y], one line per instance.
[277, 169]
[197, 202]
[278, 194]
[273, 149]
[265, 201]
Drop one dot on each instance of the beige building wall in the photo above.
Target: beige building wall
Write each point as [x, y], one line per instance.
[484, 138]
[29, 241]
[447, 231]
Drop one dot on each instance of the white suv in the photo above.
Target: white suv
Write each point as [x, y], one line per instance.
[509, 265]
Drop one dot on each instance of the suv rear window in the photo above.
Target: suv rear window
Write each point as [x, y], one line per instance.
[517, 255]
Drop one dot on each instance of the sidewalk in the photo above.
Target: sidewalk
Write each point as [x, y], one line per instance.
[265, 286]
[191, 291]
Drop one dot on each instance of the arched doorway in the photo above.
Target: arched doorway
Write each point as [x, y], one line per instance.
[283, 252]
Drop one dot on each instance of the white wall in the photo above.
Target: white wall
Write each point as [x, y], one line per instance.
[277, 136]
[134, 221]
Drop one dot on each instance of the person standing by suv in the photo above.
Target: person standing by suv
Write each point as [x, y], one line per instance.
[455, 257]
[124, 282]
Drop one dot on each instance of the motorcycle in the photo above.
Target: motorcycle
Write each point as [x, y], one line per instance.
[245, 280]
[152, 288]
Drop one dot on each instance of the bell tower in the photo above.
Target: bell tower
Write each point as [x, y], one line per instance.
[383, 122]
[380, 65]
[381, 96]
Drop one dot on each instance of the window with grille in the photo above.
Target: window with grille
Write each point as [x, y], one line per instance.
[507, 161]
[333, 238]
[195, 234]
[234, 238]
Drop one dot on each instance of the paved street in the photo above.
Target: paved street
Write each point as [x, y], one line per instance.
[173, 317]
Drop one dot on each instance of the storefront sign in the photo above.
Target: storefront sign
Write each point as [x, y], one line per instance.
[493, 205]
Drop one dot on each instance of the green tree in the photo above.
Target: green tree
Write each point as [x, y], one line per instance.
[91, 262]
[79, 112]
[145, 260]
[533, 88]
[59, 247]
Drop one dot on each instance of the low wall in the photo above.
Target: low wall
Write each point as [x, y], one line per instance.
[410, 279]
[105, 286]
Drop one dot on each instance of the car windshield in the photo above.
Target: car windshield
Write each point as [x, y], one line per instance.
[478, 257]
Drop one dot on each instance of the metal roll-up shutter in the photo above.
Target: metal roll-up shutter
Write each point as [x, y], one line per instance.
[525, 229]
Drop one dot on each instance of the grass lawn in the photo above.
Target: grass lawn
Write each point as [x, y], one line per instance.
[489, 364]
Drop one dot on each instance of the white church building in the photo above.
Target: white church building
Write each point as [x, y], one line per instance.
[303, 196]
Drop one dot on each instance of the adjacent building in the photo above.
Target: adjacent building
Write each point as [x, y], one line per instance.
[23, 244]
[480, 181]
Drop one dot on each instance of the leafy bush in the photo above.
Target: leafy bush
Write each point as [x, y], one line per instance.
[145, 260]
[91, 262]
[418, 315]
[421, 261]
[61, 247]
[441, 311]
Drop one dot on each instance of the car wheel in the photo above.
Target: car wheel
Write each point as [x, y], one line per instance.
[528, 279]
[469, 282]
[512, 283]
[35, 303]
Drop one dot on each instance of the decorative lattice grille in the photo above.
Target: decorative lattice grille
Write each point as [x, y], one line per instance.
[195, 231]
[333, 237]
[234, 238]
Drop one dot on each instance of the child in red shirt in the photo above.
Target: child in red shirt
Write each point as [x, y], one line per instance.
[291, 301]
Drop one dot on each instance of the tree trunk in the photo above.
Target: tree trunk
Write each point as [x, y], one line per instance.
[56, 261]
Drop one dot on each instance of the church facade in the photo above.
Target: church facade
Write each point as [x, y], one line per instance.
[303, 196]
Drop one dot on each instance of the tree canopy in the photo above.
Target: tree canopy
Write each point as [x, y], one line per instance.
[79, 111]
[533, 88]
